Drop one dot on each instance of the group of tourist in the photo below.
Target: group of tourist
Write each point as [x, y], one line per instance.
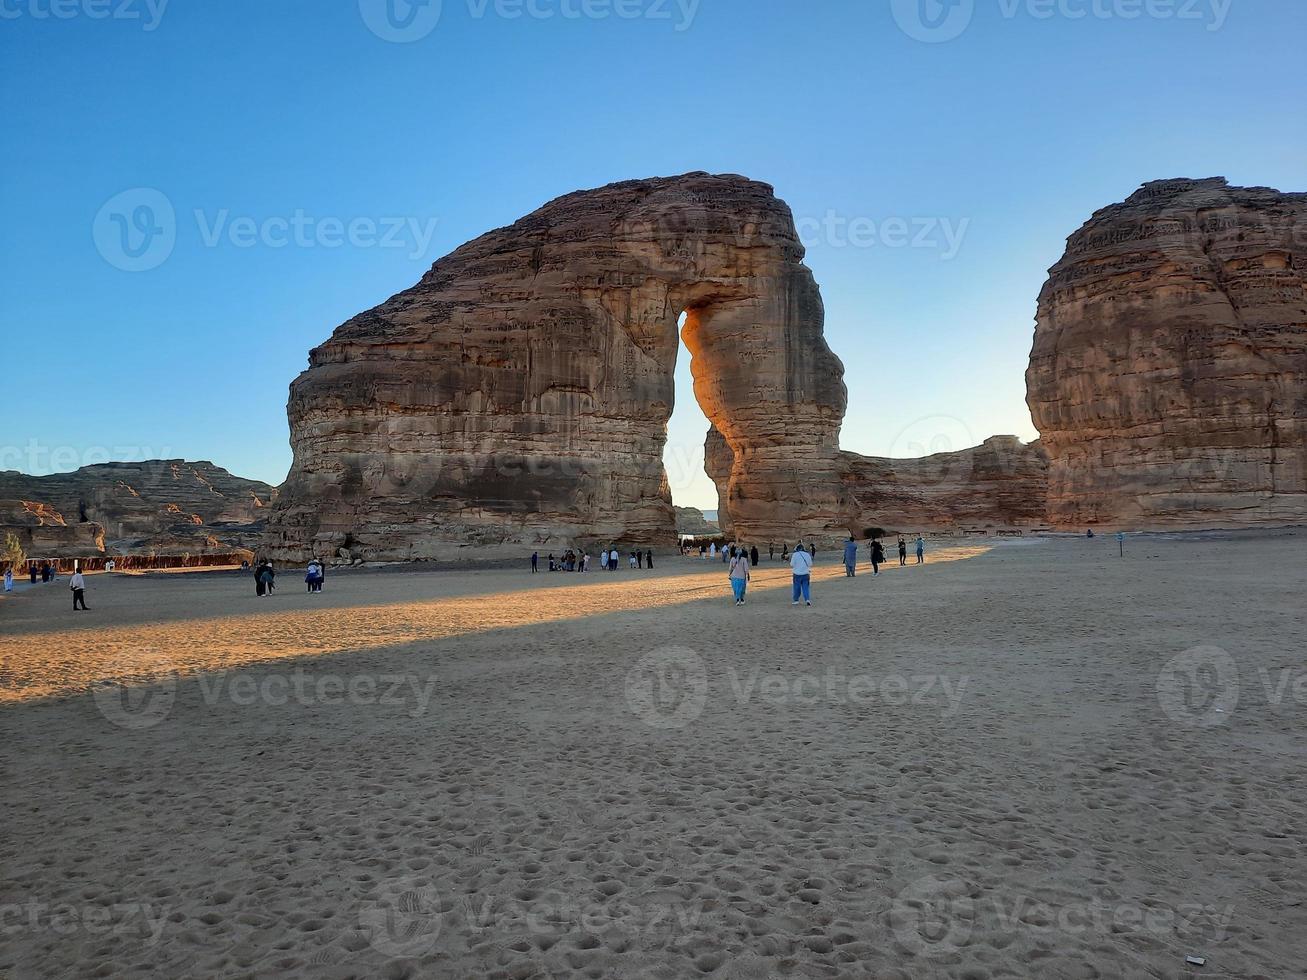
[265, 576]
[609, 560]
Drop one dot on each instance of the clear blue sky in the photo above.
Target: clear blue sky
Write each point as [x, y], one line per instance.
[1010, 135]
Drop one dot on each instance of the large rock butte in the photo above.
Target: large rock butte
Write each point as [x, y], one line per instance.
[1168, 377]
[519, 394]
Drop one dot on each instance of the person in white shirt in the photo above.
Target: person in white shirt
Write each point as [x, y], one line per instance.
[801, 567]
[78, 585]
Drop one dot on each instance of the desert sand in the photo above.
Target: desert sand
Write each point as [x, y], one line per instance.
[1028, 758]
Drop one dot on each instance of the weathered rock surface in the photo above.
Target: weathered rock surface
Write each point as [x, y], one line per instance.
[519, 394]
[998, 486]
[156, 506]
[44, 533]
[1168, 377]
[690, 520]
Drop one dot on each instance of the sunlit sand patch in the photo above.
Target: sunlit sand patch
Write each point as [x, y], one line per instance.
[51, 663]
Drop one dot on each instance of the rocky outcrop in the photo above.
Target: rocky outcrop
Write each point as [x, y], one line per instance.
[999, 486]
[518, 395]
[690, 520]
[1168, 377]
[152, 507]
[43, 532]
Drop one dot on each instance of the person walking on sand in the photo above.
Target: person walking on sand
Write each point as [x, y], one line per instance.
[31, 571]
[648, 558]
[801, 570]
[535, 562]
[739, 575]
[9, 580]
[850, 557]
[771, 550]
[78, 585]
[903, 552]
[261, 578]
[639, 559]
[753, 556]
[921, 550]
[877, 557]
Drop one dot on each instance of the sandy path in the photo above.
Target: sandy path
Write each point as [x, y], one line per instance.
[1005, 766]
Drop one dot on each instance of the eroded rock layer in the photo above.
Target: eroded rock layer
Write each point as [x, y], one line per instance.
[42, 532]
[157, 506]
[999, 486]
[1168, 377]
[519, 394]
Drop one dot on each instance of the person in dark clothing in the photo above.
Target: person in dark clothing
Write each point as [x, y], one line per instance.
[261, 578]
[648, 559]
[31, 571]
[877, 557]
[535, 562]
[903, 551]
[639, 559]
[771, 550]
[753, 556]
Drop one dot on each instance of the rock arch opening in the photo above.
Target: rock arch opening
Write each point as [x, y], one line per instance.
[687, 432]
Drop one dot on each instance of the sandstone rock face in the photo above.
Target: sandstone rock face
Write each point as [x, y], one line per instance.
[163, 506]
[518, 395]
[1000, 486]
[690, 520]
[1168, 377]
[44, 533]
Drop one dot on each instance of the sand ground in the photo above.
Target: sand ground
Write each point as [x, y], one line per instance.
[1028, 759]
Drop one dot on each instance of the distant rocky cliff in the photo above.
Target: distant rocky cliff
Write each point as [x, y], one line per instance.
[163, 507]
[1000, 485]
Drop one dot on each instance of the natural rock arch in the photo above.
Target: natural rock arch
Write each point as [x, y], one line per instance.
[519, 394]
